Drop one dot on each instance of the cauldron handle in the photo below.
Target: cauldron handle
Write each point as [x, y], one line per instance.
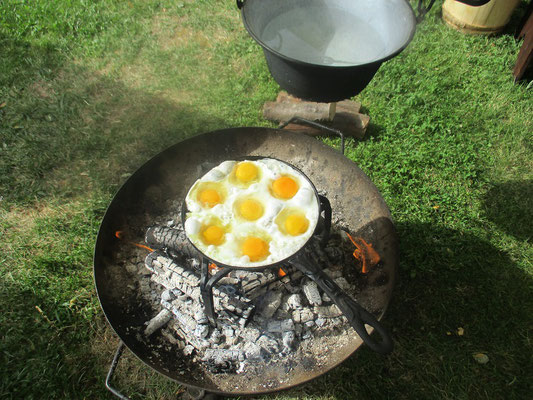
[357, 316]
[423, 10]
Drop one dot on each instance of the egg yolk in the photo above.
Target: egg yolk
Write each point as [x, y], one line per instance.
[255, 248]
[246, 172]
[284, 187]
[251, 210]
[209, 197]
[296, 224]
[213, 235]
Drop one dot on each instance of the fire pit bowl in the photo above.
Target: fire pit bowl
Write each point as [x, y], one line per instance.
[150, 195]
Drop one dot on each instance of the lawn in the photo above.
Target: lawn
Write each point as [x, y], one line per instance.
[89, 90]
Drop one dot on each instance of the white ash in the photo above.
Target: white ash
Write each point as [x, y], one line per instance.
[262, 317]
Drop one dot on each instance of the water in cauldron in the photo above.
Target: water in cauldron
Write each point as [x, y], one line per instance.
[324, 36]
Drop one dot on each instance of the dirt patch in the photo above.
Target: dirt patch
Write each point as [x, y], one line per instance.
[22, 220]
[42, 89]
[174, 32]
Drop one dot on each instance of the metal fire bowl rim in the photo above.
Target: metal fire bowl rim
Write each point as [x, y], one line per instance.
[295, 146]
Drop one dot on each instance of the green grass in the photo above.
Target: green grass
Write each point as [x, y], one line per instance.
[91, 90]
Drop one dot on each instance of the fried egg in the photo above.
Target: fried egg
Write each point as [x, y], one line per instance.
[251, 213]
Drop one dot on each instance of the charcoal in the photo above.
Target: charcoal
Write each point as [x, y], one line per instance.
[222, 356]
[333, 273]
[250, 334]
[331, 311]
[270, 303]
[294, 301]
[280, 326]
[201, 331]
[268, 344]
[334, 254]
[156, 323]
[288, 339]
[260, 315]
[302, 316]
[167, 295]
[188, 350]
[343, 283]
[187, 323]
[131, 268]
[310, 290]
[252, 351]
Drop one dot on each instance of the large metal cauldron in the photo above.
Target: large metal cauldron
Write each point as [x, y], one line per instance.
[329, 50]
[150, 191]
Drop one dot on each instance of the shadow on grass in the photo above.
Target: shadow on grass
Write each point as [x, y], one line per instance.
[76, 130]
[509, 205]
[449, 280]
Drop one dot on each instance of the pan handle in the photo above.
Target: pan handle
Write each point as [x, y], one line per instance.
[357, 316]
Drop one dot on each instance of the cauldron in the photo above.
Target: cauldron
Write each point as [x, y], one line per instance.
[329, 50]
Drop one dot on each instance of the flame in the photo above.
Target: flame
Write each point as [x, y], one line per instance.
[120, 235]
[281, 273]
[212, 268]
[365, 253]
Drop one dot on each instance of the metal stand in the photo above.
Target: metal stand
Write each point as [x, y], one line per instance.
[206, 289]
[315, 125]
[190, 394]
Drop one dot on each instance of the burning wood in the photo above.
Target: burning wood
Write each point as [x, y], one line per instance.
[158, 322]
[261, 316]
[161, 237]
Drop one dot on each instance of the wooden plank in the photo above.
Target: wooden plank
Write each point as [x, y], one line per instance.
[284, 111]
[348, 107]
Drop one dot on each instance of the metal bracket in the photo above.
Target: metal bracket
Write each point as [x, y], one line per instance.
[315, 125]
[422, 10]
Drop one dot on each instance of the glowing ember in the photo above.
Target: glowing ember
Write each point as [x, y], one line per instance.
[365, 253]
[120, 235]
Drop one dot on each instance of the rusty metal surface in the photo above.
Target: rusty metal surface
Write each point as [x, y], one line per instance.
[146, 195]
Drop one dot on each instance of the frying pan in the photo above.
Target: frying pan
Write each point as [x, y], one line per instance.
[151, 193]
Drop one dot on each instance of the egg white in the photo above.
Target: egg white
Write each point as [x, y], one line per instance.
[281, 245]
